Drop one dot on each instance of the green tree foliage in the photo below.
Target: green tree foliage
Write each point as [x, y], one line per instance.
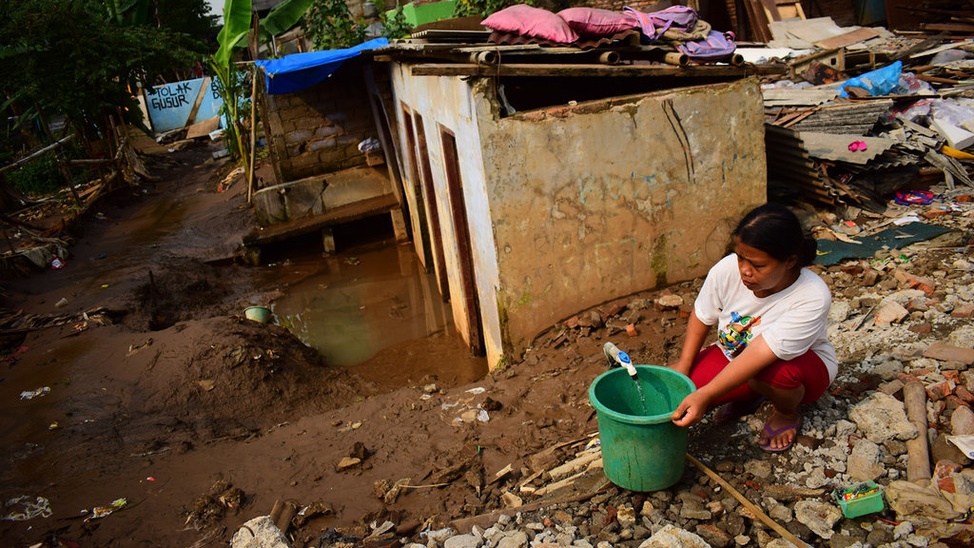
[484, 8]
[329, 25]
[394, 26]
[81, 58]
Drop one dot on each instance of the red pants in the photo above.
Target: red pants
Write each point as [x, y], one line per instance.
[806, 370]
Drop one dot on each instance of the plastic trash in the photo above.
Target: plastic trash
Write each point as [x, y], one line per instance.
[369, 145]
[57, 264]
[877, 82]
[31, 394]
[25, 507]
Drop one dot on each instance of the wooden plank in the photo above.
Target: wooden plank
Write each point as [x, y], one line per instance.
[203, 128]
[948, 27]
[351, 212]
[595, 71]
[848, 38]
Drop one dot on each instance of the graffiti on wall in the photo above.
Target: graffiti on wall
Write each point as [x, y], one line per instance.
[181, 104]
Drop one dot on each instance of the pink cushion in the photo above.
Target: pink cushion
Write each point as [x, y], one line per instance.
[597, 22]
[530, 21]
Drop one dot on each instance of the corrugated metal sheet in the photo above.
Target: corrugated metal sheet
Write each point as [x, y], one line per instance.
[840, 117]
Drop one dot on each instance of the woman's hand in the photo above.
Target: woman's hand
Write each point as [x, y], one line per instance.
[682, 366]
[692, 409]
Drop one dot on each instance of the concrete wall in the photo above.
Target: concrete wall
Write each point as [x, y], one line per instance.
[569, 207]
[318, 130]
[608, 198]
[169, 106]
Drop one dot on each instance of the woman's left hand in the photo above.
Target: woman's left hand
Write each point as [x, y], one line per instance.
[692, 409]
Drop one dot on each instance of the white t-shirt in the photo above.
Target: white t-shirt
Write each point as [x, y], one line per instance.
[792, 320]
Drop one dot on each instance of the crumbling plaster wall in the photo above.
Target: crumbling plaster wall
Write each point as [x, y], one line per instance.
[607, 198]
[572, 206]
[317, 130]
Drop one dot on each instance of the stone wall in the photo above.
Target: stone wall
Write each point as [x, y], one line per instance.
[318, 130]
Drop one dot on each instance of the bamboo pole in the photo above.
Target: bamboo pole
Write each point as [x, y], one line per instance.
[918, 467]
[253, 110]
[785, 533]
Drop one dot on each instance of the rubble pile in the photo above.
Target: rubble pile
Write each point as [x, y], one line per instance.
[900, 322]
[861, 113]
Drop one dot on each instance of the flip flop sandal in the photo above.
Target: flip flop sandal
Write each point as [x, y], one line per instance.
[913, 197]
[773, 433]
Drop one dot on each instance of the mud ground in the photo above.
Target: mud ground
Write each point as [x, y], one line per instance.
[165, 396]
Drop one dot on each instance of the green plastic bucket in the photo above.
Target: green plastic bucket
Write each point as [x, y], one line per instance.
[642, 450]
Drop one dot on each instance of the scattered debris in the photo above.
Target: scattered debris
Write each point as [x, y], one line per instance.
[25, 507]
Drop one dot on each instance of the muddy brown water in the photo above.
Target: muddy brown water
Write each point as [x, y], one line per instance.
[371, 307]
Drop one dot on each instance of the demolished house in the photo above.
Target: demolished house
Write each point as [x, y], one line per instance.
[551, 181]
[325, 151]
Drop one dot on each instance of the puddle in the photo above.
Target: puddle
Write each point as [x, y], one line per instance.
[373, 309]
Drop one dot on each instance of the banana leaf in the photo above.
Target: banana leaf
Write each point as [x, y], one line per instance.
[282, 17]
[236, 25]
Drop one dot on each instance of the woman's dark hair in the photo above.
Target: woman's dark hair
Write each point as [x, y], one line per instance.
[775, 230]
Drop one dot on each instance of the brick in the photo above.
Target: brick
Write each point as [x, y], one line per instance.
[927, 285]
[939, 391]
[952, 403]
[917, 305]
[963, 311]
[946, 485]
[944, 468]
[948, 353]
[964, 394]
[612, 309]
[907, 377]
[891, 313]
[891, 387]
[870, 277]
[921, 328]
[631, 330]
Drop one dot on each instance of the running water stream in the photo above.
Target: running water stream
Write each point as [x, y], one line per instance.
[642, 395]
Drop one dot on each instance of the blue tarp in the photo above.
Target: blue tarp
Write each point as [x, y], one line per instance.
[302, 70]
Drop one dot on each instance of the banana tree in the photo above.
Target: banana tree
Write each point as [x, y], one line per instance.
[237, 23]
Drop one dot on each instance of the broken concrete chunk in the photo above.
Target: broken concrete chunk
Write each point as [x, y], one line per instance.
[918, 504]
[669, 302]
[674, 537]
[864, 461]
[346, 463]
[893, 312]
[882, 417]
[259, 532]
[818, 516]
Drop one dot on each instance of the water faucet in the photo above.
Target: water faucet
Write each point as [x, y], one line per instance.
[617, 358]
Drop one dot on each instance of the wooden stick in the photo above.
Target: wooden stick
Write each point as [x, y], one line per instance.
[918, 467]
[785, 533]
[282, 513]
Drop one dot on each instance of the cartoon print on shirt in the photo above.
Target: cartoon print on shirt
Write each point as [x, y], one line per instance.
[735, 338]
